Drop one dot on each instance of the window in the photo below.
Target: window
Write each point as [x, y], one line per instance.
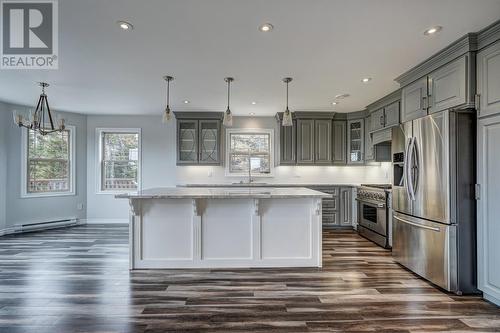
[119, 160]
[48, 166]
[249, 148]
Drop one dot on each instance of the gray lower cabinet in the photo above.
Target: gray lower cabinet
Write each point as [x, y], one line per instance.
[488, 80]
[339, 142]
[198, 140]
[337, 210]
[346, 206]
[414, 100]
[323, 141]
[488, 209]
[447, 86]
[355, 141]
[305, 141]
[288, 144]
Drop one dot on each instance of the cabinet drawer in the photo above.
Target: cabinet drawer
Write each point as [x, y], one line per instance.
[330, 190]
[331, 219]
[332, 204]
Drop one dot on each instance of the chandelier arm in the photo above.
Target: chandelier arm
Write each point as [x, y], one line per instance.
[50, 115]
[36, 110]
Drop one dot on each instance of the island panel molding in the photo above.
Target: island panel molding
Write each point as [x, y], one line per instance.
[225, 227]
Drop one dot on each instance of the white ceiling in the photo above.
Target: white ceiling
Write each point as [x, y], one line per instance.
[327, 46]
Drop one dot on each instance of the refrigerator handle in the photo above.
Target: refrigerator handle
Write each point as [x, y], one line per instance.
[406, 179]
[409, 169]
[416, 168]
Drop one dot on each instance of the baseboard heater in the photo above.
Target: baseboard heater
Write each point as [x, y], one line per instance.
[47, 225]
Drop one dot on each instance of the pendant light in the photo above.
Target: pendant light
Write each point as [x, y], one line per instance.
[167, 114]
[228, 117]
[42, 121]
[287, 115]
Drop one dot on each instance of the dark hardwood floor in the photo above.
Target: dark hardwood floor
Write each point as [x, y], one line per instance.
[77, 280]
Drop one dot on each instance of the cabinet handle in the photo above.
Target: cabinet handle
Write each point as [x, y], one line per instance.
[424, 103]
[477, 103]
[430, 85]
[382, 120]
[346, 207]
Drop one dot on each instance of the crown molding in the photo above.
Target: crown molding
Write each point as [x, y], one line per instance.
[466, 44]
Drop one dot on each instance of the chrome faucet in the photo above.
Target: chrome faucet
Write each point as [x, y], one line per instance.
[250, 180]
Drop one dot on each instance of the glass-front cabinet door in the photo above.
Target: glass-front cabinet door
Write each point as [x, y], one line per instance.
[209, 134]
[355, 141]
[187, 142]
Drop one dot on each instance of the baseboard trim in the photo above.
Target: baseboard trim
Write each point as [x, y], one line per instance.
[24, 228]
[491, 299]
[105, 221]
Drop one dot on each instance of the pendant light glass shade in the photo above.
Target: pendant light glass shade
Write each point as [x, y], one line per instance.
[167, 114]
[287, 118]
[287, 115]
[228, 116]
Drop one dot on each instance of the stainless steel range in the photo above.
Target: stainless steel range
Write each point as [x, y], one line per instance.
[373, 213]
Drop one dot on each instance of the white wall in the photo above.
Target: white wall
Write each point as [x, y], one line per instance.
[4, 118]
[159, 164]
[31, 210]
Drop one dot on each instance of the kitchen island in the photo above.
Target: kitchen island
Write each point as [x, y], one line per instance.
[225, 227]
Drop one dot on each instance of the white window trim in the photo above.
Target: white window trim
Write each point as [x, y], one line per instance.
[98, 155]
[24, 167]
[270, 132]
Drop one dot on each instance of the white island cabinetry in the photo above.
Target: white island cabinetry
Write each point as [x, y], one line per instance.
[225, 227]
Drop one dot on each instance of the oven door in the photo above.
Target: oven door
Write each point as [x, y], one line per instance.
[372, 215]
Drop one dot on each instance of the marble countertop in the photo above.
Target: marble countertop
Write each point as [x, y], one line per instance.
[257, 184]
[224, 193]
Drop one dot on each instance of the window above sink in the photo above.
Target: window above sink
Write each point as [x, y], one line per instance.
[252, 148]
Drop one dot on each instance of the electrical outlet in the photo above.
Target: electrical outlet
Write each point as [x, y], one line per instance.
[79, 206]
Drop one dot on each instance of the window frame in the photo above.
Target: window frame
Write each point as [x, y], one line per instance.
[72, 166]
[99, 155]
[266, 131]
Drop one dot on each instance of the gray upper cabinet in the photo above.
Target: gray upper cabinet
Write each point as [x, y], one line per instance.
[414, 100]
[187, 142]
[323, 141]
[355, 141]
[198, 138]
[288, 144]
[447, 86]
[488, 80]
[209, 142]
[339, 142]
[391, 114]
[377, 120]
[369, 155]
[305, 141]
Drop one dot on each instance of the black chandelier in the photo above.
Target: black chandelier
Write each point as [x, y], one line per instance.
[42, 120]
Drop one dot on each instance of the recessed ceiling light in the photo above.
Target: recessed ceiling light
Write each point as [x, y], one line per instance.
[125, 25]
[366, 79]
[266, 27]
[335, 103]
[342, 96]
[253, 103]
[252, 113]
[433, 30]
[186, 101]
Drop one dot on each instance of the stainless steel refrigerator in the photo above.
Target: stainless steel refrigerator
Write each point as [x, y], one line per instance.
[433, 199]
